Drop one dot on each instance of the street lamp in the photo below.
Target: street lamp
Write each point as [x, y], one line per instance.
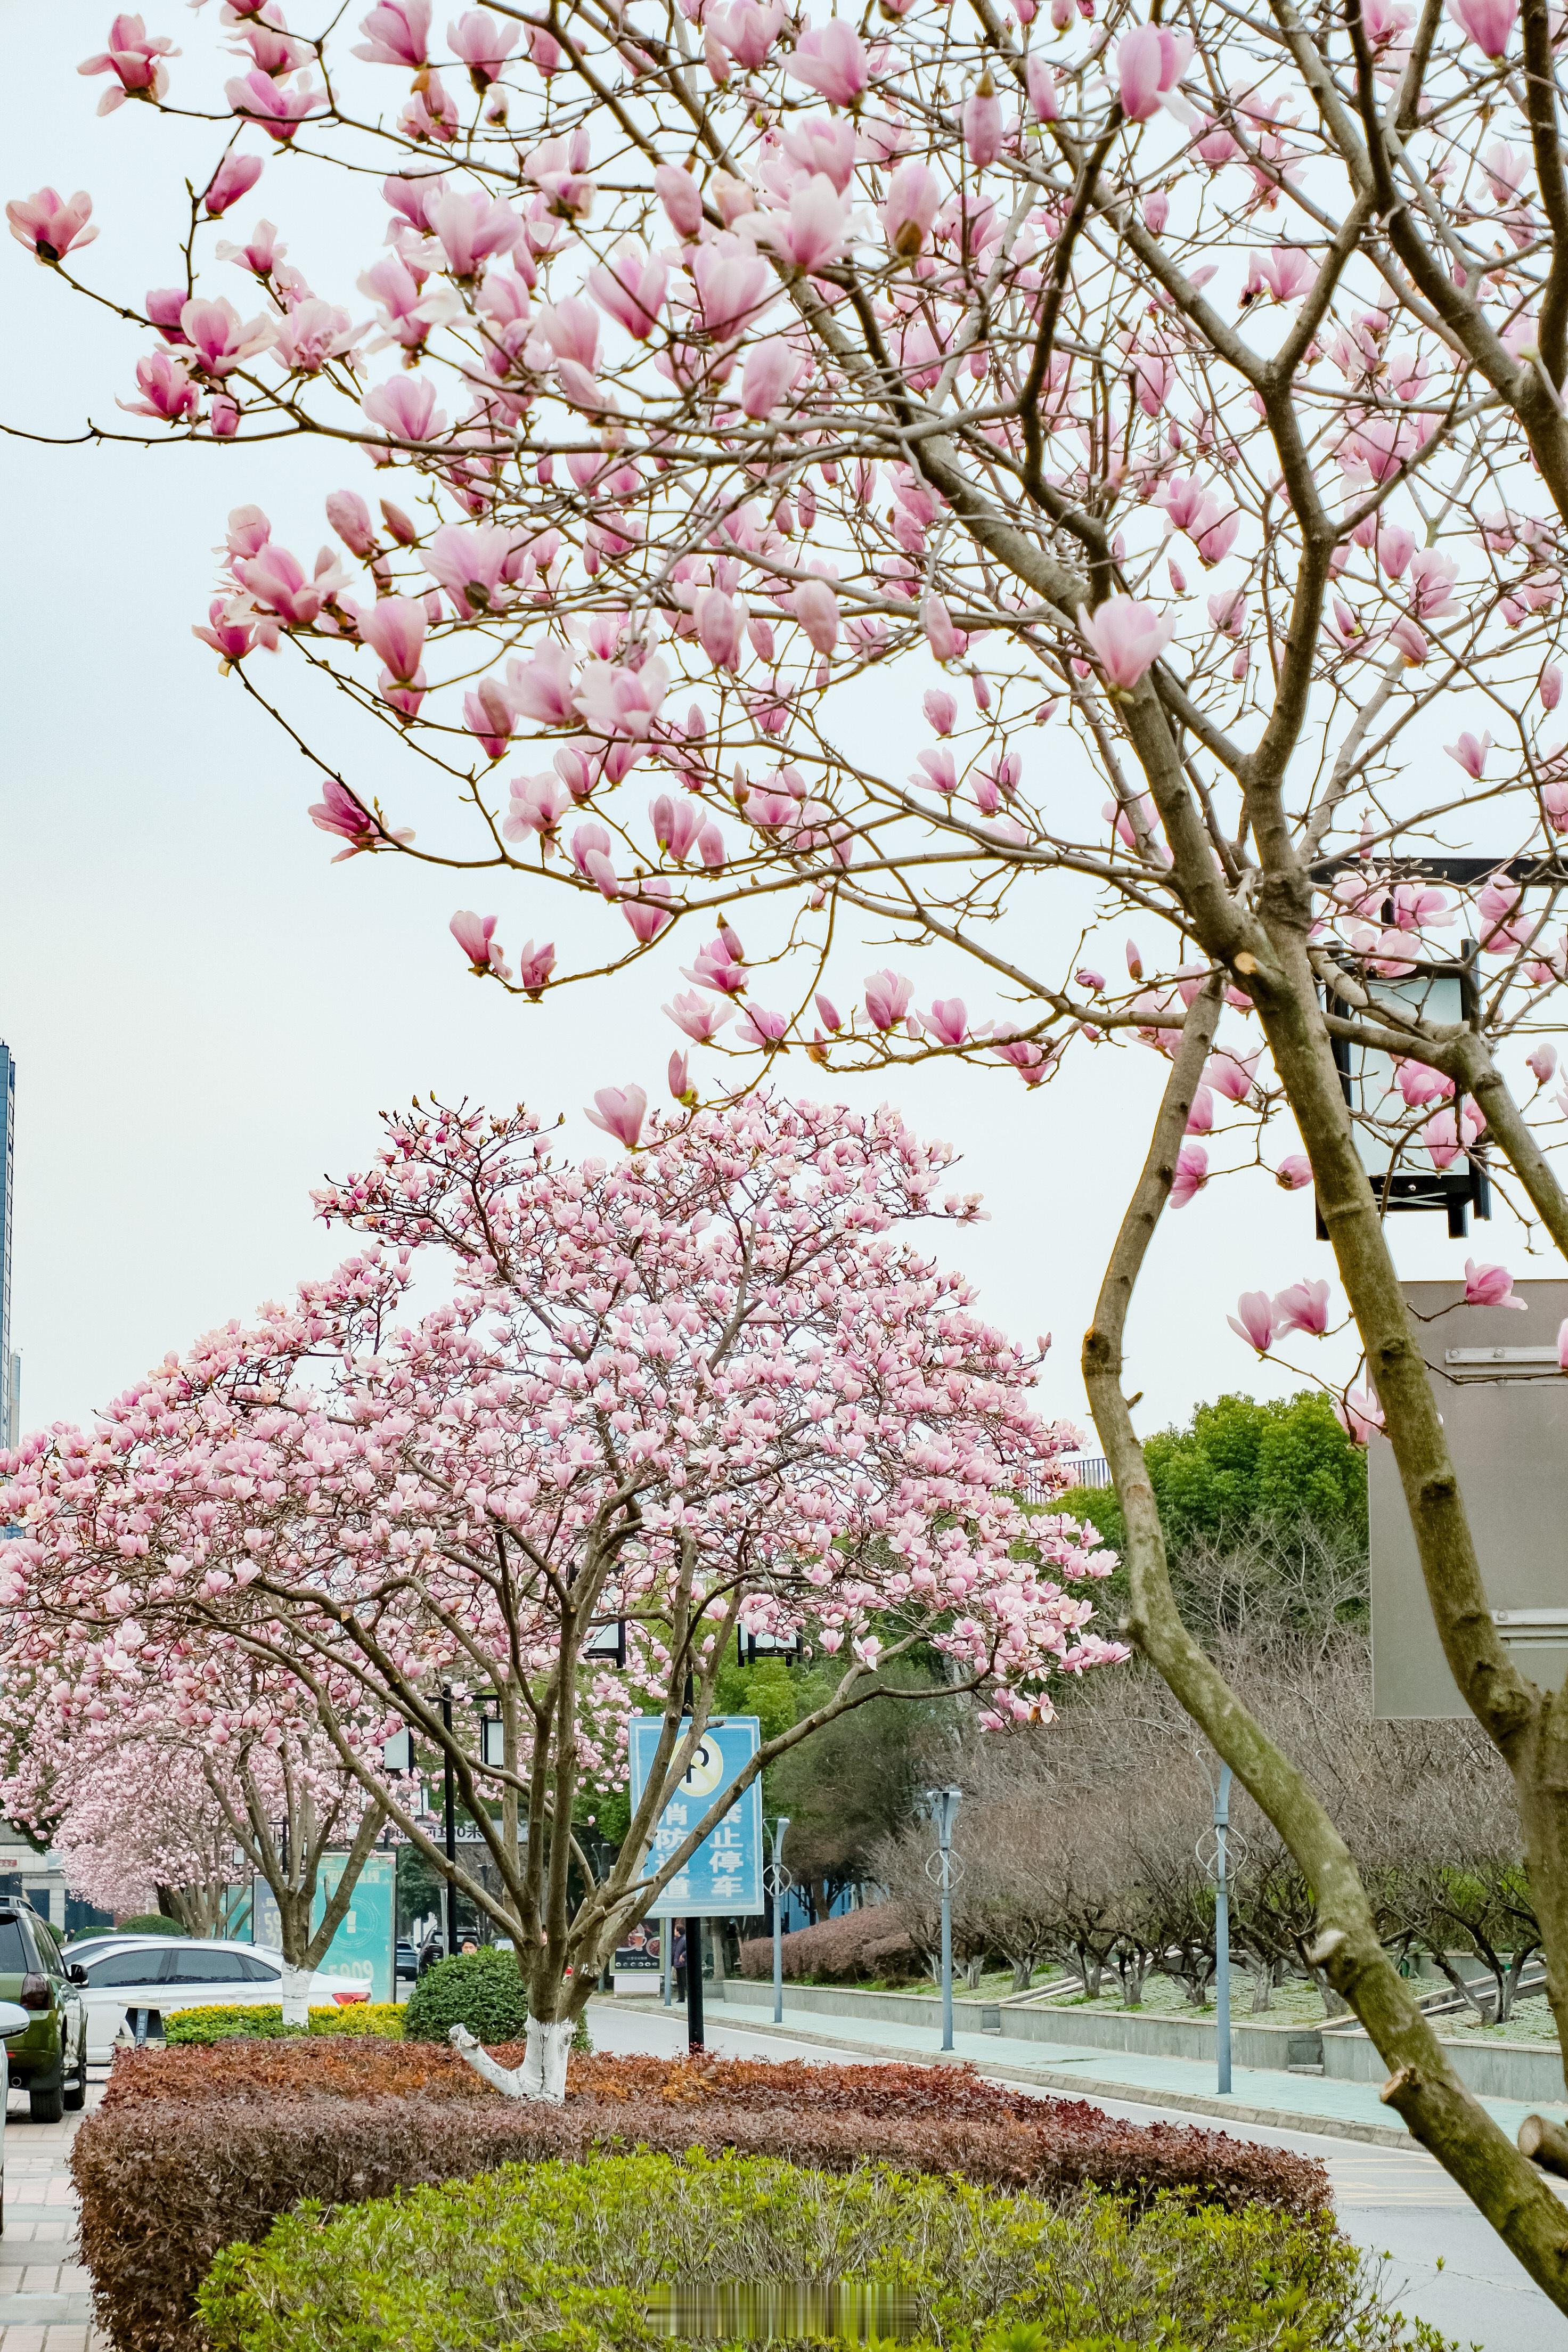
[778, 1883]
[941, 1806]
[1445, 992]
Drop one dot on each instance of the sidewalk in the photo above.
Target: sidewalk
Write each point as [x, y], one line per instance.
[45, 2302]
[1301, 2102]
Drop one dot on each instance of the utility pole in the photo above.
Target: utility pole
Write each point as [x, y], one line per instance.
[451, 1811]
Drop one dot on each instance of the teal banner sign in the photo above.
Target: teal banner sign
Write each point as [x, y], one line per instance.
[363, 1945]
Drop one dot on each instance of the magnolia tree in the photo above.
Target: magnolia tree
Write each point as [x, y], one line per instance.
[161, 1747]
[1187, 391]
[144, 1824]
[707, 1391]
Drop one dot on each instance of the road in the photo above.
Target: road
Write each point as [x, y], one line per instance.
[1446, 2264]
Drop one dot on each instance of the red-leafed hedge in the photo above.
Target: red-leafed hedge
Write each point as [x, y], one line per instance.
[195, 2149]
[872, 1942]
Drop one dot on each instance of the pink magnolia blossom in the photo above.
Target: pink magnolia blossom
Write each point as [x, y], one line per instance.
[1490, 1286]
[546, 688]
[1041, 84]
[472, 226]
[616, 700]
[1192, 1174]
[538, 804]
[982, 122]
[254, 97]
[1471, 751]
[1149, 61]
[219, 338]
[404, 407]
[734, 286]
[1488, 22]
[49, 224]
[1125, 637]
[630, 286]
[394, 628]
[914, 194]
[620, 1111]
[719, 967]
[831, 59]
[771, 371]
[136, 62]
[476, 566]
[1254, 1320]
[946, 642]
[821, 142]
[1542, 1063]
[681, 198]
[642, 905]
[1359, 1415]
[338, 811]
[311, 334]
[535, 966]
[888, 995]
[166, 390]
[941, 709]
[679, 1079]
[1294, 1173]
[1550, 686]
[483, 45]
[828, 1012]
[760, 1029]
[235, 178]
[1232, 1074]
[397, 33]
[1304, 1306]
[810, 233]
[948, 1020]
[700, 1017]
[816, 607]
[475, 934]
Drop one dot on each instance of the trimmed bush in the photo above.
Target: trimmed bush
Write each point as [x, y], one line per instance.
[195, 2149]
[224, 2022]
[147, 1923]
[567, 2254]
[871, 1943]
[483, 1990]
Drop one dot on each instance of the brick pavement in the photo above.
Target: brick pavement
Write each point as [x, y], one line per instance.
[45, 2300]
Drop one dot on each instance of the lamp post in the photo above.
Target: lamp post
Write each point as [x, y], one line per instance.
[1222, 1931]
[941, 1806]
[778, 1882]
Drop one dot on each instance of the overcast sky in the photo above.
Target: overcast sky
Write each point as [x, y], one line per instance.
[207, 1014]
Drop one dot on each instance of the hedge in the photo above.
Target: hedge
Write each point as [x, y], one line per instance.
[483, 1990]
[873, 1941]
[567, 2253]
[194, 2148]
[225, 2021]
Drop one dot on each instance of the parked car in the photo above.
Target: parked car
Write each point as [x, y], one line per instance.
[14, 2019]
[49, 2057]
[153, 1974]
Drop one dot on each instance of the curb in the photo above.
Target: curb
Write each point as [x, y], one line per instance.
[1054, 2078]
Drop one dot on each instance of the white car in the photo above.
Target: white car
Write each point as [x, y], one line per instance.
[146, 1976]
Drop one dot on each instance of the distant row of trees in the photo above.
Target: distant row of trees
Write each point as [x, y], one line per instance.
[1080, 1839]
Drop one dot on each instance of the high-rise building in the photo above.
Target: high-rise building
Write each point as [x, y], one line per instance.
[10, 1366]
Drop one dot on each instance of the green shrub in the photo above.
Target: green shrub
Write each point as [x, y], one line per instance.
[563, 2255]
[149, 1923]
[223, 2021]
[483, 1990]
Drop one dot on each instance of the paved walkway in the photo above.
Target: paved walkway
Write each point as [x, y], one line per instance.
[45, 2299]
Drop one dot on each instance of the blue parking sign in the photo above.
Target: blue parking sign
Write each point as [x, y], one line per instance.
[723, 1879]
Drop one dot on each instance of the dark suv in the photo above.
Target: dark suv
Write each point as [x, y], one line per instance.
[50, 2058]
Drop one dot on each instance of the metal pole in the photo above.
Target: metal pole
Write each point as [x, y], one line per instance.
[1222, 1932]
[667, 1955]
[779, 1828]
[694, 1984]
[451, 1812]
[941, 1805]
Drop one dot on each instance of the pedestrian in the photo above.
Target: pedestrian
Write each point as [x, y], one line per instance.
[678, 1961]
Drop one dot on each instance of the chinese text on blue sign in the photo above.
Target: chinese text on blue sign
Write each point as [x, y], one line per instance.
[723, 1879]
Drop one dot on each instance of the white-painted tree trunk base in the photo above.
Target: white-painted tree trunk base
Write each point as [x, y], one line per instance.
[296, 1995]
[542, 2074]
